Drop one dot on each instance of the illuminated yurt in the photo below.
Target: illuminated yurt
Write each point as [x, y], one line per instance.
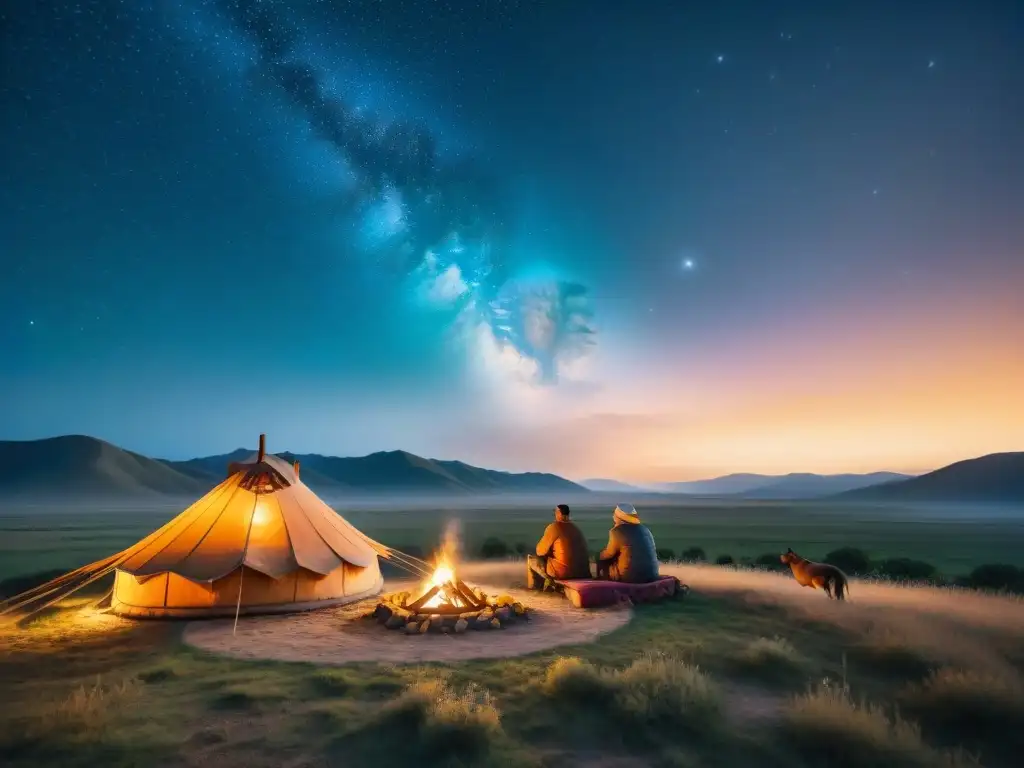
[260, 542]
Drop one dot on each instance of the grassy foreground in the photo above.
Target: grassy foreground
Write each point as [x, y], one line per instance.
[732, 675]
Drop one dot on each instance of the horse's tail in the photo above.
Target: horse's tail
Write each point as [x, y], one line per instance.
[841, 585]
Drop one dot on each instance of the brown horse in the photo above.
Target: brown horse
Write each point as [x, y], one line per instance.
[817, 575]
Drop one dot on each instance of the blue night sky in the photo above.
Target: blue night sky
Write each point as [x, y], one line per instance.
[649, 240]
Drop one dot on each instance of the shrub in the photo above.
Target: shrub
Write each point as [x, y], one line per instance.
[693, 555]
[654, 690]
[659, 689]
[827, 727]
[493, 547]
[724, 560]
[88, 710]
[771, 561]
[577, 681]
[906, 569]
[665, 554]
[331, 682]
[771, 657]
[849, 559]
[997, 576]
[983, 708]
[891, 653]
[520, 548]
[443, 723]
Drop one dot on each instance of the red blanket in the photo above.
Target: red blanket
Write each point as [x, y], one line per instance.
[591, 593]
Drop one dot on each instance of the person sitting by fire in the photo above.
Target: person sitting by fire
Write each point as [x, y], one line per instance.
[561, 554]
[630, 555]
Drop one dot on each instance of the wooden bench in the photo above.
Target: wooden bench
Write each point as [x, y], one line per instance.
[595, 593]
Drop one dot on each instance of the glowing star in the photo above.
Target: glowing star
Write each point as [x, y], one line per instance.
[688, 264]
[720, 58]
[931, 64]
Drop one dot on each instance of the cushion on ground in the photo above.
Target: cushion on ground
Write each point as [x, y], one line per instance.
[592, 593]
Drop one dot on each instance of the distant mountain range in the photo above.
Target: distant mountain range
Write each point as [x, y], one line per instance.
[995, 478]
[80, 466]
[605, 485]
[76, 465]
[798, 485]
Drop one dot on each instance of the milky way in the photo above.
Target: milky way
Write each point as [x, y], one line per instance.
[441, 224]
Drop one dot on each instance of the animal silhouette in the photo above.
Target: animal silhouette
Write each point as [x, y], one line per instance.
[817, 575]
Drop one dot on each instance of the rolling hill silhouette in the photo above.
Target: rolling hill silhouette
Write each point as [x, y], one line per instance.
[85, 466]
[995, 478]
[609, 486]
[796, 485]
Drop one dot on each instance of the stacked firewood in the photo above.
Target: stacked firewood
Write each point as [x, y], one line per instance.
[402, 611]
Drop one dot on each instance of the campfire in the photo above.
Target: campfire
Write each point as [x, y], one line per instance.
[446, 604]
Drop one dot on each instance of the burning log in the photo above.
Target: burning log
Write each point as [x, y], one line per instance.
[446, 604]
[424, 599]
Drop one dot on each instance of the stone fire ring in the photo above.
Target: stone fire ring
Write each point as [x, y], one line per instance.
[343, 634]
[401, 610]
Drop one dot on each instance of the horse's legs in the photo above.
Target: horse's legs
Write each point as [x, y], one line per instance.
[828, 589]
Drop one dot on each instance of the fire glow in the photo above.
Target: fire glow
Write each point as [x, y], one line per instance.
[444, 603]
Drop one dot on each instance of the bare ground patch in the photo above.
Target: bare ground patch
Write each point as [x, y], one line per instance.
[340, 636]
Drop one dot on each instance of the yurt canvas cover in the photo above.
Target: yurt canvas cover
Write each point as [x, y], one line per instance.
[260, 542]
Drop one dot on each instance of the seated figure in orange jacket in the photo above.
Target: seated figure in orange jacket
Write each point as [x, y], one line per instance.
[561, 553]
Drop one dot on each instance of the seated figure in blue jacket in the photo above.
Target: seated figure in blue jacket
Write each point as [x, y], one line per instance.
[630, 555]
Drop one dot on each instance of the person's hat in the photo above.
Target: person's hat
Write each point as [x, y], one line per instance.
[626, 513]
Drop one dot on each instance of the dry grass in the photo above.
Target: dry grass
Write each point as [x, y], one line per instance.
[89, 710]
[978, 708]
[828, 727]
[888, 651]
[444, 723]
[80, 727]
[773, 660]
[653, 690]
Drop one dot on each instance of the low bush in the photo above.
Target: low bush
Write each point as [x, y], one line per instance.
[493, 547]
[770, 561]
[331, 682]
[850, 560]
[827, 727]
[654, 690]
[980, 709]
[997, 576]
[906, 569]
[693, 555]
[891, 653]
[441, 723]
[773, 658]
[520, 548]
[665, 555]
[724, 560]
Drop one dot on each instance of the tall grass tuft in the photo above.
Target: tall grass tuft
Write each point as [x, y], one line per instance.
[86, 712]
[445, 722]
[771, 655]
[828, 727]
[653, 690]
[975, 707]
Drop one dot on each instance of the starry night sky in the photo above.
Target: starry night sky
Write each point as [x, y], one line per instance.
[645, 240]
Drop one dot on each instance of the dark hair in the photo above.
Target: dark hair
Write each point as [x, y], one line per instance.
[563, 508]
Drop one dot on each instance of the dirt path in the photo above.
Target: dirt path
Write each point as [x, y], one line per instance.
[340, 636]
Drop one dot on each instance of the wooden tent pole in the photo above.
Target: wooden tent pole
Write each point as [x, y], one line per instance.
[245, 550]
